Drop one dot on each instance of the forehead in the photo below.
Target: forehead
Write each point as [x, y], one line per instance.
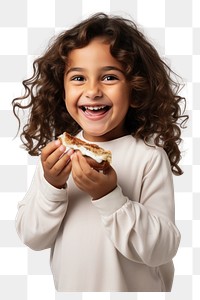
[96, 53]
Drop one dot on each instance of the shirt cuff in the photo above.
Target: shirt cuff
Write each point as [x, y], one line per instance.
[111, 202]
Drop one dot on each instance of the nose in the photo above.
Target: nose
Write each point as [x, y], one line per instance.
[93, 90]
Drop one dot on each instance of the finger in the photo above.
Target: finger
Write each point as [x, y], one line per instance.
[49, 149]
[108, 171]
[62, 164]
[82, 170]
[80, 179]
[77, 171]
[91, 172]
[53, 158]
[83, 162]
[64, 170]
[75, 164]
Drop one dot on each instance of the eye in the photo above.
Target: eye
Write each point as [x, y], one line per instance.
[110, 77]
[78, 78]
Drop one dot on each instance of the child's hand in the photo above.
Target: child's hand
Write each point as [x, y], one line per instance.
[96, 184]
[56, 166]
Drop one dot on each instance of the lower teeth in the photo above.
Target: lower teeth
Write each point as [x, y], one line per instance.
[94, 110]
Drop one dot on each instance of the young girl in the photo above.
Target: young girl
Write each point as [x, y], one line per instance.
[114, 231]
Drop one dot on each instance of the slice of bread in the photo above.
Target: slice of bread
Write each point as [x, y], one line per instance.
[91, 150]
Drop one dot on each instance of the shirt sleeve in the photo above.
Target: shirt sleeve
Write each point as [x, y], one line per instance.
[41, 212]
[144, 231]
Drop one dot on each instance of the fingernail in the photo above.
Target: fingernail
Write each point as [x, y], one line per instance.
[57, 142]
[73, 155]
[62, 148]
[70, 152]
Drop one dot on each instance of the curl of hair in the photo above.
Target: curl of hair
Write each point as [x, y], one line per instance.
[155, 110]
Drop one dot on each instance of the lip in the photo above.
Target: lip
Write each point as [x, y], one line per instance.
[92, 116]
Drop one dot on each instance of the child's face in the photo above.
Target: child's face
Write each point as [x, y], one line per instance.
[96, 91]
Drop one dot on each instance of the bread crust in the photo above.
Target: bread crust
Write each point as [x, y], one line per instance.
[103, 156]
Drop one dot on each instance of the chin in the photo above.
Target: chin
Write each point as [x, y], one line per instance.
[94, 135]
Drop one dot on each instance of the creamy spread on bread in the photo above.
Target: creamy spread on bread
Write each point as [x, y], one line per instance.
[92, 150]
[84, 151]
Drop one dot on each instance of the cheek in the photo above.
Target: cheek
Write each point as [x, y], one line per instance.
[72, 94]
[122, 100]
[70, 98]
[69, 106]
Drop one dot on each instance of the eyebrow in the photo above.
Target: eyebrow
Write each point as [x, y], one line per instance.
[106, 68]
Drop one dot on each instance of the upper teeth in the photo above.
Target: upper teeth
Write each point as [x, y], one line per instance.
[94, 107]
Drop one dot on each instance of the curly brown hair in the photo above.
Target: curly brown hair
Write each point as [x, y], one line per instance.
[155, 109]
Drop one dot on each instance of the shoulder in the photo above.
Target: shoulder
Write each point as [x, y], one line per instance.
[150, 148]
[140, 153]
[152, 152]
[137, 146]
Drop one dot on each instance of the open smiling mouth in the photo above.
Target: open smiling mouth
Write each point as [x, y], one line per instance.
[98, 110]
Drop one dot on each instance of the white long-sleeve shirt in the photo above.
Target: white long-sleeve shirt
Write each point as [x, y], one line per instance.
[124, 241]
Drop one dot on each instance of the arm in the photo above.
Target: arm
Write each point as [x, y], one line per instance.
[144, 231]
[41, 212]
